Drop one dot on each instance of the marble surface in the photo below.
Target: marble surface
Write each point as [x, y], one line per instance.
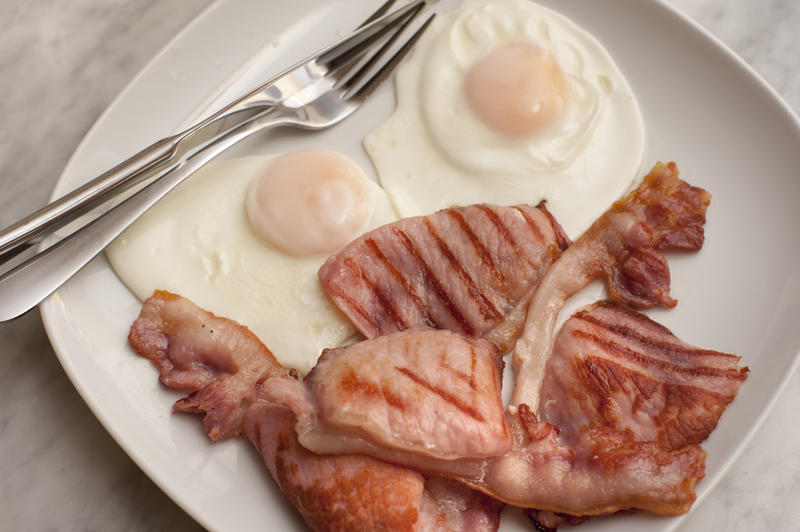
[61, 63]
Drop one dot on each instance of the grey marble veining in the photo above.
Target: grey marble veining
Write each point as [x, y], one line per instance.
[61, 64]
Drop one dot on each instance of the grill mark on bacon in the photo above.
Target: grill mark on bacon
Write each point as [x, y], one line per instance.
[504, 231]
[355, 385]
[535, 229]
[385, 302]
[434, 283]
[487, 309]
[597, 381]
[616, 307]
[649, 342]
[336, 291]
[562, 240]
[480, 249]
[597, 373]
[450, 398]
[353, 267]
[400, 278]
[469, 379]
[473, 363]
[648, 361]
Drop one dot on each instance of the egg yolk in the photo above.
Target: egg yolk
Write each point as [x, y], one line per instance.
[309, 202]
[517, 90]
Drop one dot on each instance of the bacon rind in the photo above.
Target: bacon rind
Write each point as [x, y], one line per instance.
[467, 269]
[614, 367]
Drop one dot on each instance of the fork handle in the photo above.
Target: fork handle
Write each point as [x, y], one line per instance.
[31, 282]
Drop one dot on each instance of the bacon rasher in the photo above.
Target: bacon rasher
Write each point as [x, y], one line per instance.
[614, 367]
[471, 270]
[408, 397]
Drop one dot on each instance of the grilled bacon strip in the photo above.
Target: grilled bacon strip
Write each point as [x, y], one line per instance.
[422, 393]
[623, 247]
[471, 270]
[223, 365]
[614, 367]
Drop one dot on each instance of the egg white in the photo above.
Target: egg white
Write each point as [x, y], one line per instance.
[434, 151]
[197, 242]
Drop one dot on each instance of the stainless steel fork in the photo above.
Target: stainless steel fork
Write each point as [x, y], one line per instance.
[165, 154]
[315, 94]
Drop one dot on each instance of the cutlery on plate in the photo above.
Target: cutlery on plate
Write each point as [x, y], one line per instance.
[315, 94]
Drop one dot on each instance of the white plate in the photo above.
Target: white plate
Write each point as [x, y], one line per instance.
[704, 108]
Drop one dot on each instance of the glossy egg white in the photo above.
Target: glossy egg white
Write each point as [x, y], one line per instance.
[438, 150]
[198, 242]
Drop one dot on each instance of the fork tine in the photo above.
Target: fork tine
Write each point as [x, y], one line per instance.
[378, 13]
[371, 84]
[338, 67]
[366, 35]
[348, 80]
[348, 72]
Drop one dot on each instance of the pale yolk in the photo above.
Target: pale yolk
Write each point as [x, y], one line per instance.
[517, 90]
[309, 202]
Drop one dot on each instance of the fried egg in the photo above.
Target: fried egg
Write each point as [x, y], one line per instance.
[505, 101]
[244, 238]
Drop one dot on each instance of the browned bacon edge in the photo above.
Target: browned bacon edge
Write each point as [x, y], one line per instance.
[548, 521]
[668, 214]
[604, 472]
[562, 240]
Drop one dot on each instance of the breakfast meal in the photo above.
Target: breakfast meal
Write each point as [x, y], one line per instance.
[355, 334]
[428, 399]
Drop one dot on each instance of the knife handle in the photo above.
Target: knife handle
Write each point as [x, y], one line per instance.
[64, 210]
